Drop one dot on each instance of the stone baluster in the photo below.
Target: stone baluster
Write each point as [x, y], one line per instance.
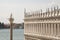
[24, 27]
[41, 13]
[37, 28]
[48, 12]
[57, 11]
[28, 28]
[31, 28]
[40, 28]
[52, 29]
[58, 29]
[34, 28]
[46, 28]
[51, 12]
[54, 11]
[49, 29]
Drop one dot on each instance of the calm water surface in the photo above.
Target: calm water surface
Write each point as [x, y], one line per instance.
[18, 34]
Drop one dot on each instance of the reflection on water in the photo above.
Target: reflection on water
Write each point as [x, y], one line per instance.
[18, 34]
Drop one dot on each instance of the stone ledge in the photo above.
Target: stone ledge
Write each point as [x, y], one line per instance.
[41, 36]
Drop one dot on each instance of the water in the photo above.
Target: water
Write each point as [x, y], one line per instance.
[18, 34]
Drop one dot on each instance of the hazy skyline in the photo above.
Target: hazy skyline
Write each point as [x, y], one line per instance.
[16, 7]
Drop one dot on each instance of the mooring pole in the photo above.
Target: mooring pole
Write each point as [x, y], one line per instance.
[11, 27]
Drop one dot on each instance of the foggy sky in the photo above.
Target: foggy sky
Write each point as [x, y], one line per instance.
[16, 7]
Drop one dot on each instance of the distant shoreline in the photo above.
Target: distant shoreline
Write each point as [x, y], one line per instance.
[13, 28]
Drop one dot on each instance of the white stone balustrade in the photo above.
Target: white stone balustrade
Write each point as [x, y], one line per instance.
[48, 13]
[43, 25]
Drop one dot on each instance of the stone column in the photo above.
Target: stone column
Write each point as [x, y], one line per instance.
[41, 28]
[36, 28]
[33, 28]
[29, 28]
[54, 29]
[49, 29]
[25, 28]
[58, 29]
[46, 28]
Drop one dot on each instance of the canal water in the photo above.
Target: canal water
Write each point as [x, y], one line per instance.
[18, 34]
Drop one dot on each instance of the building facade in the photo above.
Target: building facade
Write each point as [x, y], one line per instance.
[42, 25]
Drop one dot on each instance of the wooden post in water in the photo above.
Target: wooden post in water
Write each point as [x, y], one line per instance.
[11, 28]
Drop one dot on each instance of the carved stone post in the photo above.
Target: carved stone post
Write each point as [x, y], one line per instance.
[11, 28]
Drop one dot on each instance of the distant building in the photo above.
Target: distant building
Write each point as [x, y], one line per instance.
[18, 25]
[6, 25]
[42, 25]
[15, 25]
[1, 25]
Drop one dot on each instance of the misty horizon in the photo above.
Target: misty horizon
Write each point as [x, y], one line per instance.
[16, 7]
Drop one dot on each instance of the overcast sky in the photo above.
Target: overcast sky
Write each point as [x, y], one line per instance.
[16, 7]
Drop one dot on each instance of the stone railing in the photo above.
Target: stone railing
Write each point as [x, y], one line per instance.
[49, 13]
